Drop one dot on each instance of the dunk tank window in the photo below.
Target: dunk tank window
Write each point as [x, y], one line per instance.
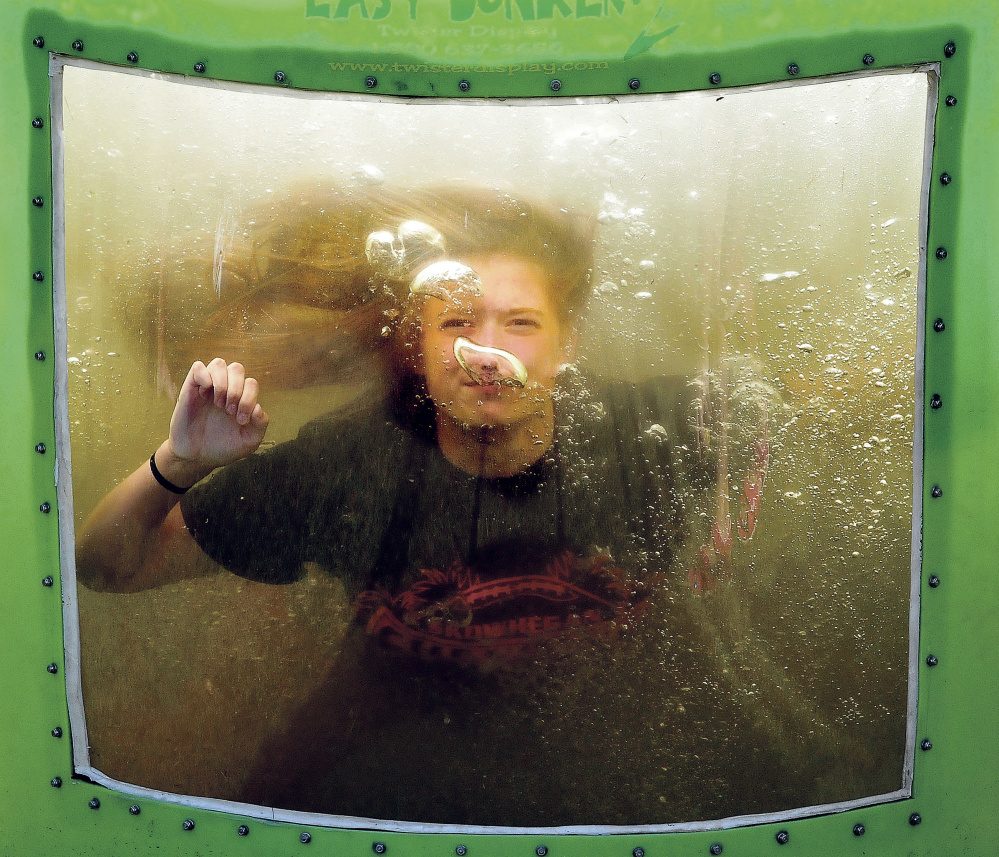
[590, 457]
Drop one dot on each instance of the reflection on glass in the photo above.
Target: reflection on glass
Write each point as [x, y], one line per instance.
[601, 479]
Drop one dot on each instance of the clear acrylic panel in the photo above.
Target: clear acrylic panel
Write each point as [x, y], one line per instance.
[636, 551]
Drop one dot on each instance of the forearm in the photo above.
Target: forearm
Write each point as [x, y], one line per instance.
[120, 546]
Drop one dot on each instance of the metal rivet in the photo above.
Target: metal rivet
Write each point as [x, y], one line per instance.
[40, 448]
[936, 491]
[915, 819]
[199, 67]
[47, 580]
[634, 84]
[242, 830]
[188, 824]
[132, 57]
[950, 101]
[950, 49]
[39, 355]
[541, 850]
[868, 59]
[280, 76]
[782, 837]
[941, 252]
[38, 122]
[38, 276]
[859, 830]
[945, 179]
[715, 79]
[793, 69]
[56, 782]
[939, 325]
[134, 809]
[931, 660]
[638, 852]
[77, 45]
[378, 847]
[935, 401]
[926, 744]
[45, 508]
[371, 82]
[305, 838]
[715, 849]
[460, 850]
[38, 202]
[57, 732]
[38, 42]
[94, 803]
[464, 85]
[934, 581]
[556, 85]
[53, 668]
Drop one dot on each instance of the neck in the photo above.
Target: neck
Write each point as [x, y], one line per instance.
[494, 452]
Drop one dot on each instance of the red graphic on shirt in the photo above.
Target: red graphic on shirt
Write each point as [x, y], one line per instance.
[459, 616]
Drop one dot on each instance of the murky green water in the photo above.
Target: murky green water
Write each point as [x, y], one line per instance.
[781, 225]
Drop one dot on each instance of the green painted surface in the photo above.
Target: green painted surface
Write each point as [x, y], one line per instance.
[425, 47]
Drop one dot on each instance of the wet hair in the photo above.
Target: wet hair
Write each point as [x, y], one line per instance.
[293, 296]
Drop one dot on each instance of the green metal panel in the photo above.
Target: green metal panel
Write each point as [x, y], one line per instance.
[427, 47]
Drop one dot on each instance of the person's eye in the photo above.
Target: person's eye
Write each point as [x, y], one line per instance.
[525, 324]
[455, 323]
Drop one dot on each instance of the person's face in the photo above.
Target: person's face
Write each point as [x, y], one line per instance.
[513, 312]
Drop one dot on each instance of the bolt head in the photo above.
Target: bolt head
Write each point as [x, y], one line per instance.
[47, 580]
[936, 491]
[188, 824]
[556, 85]
[199, 67]
[53, 668]
[941, 252]
[782, 837]
[926, 744]
[280, 76]
[38, 42]
[638, 852]
[134, 809]
[45, 508]
[945, 179]
[77, 45]
[634, 84]
[371, 81]
[461, 850]
[305, 838]
[934, 581]
[94, 803]
[40, 448]
[931, 660]
[935, 401]
[378, 847]
[38, 122]
[541, 850]
[915, 819]
[792, 69]
[39, 355]
[57, 732]
[715, 79]
[868, 59]
[859, 830]
[38, 276]
[243, 830]
[716, 849]
[939, 325]
[38, 202]
[56, 782]
[950, 49]
[464, 85]
[950, 101]
[132, 57]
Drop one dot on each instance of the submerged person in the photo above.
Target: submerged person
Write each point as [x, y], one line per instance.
[494, 508]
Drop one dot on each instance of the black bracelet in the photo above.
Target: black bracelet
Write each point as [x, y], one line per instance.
[159, 477]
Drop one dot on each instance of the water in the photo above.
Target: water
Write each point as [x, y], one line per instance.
[769, 238]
